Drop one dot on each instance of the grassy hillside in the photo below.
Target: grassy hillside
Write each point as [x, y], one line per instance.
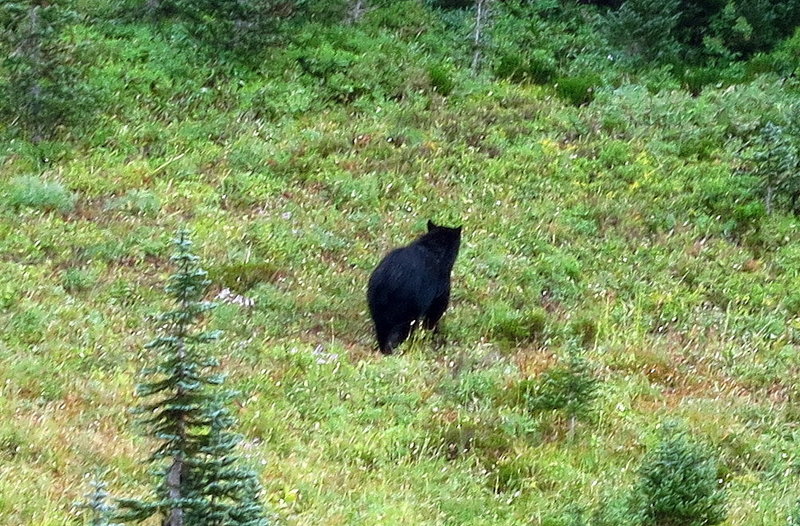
[631, 229]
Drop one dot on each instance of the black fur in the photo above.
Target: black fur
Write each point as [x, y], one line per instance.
[412, 283]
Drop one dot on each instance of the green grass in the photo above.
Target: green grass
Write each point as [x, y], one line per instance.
[621, 224]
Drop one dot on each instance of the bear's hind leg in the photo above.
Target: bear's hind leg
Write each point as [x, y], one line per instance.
[395, 336]
[436, 311]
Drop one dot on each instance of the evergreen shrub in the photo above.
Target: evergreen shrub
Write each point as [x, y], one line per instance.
[678, 484]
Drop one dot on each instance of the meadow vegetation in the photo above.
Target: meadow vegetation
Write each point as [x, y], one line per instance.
[630, 252]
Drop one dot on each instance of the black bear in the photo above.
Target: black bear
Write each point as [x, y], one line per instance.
[412, 283]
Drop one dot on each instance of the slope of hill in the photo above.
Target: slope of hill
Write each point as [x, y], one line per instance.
[631, 229]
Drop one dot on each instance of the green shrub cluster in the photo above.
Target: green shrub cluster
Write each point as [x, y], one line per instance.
[645, 30]
[41, 83]
[345, 64]
[36, 193]
[578, 90]
[666, 31]
[441, 79]
[777, 161]
[244, 27]
[538, 67]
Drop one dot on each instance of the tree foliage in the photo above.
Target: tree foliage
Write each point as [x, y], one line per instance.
[778, 165]
[645, 30]
[95, 507]
[245, 27]
[678, 484]
[794, 519]
[199, 481]
[41, 87]
[692, 30]
[571, 387]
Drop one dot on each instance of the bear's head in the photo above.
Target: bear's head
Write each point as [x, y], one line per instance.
[445, 239]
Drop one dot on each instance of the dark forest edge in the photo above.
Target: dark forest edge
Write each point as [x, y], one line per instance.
[52, 77]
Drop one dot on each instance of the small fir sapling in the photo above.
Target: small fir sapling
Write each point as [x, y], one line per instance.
[571, 388]
[199, 478]
[95, 508]
[778, 164]
[678, 484]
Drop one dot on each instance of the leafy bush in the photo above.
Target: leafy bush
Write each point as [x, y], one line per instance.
[453, 4]
[407, 19]
[648, 30]
[538, 67]
[615, 153]
[730, 200]
[578, 90]
[744, 27]
[678, 484]
[785, 58]
[722, 114]
[510, 66]
[344, 65]
[41, 88]
[541, 67]
[763, 63]
[123, 293]
[243, 26]
[696, 78]
[441, 79]
[778, 166]
[517, 326]
[792, 303]
[77, 279]
[644, 30]
[29, 325]
[32, 192]
[697, 144]
[547, 37]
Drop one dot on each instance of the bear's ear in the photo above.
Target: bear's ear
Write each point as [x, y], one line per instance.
[431, 226]
[459, 228]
